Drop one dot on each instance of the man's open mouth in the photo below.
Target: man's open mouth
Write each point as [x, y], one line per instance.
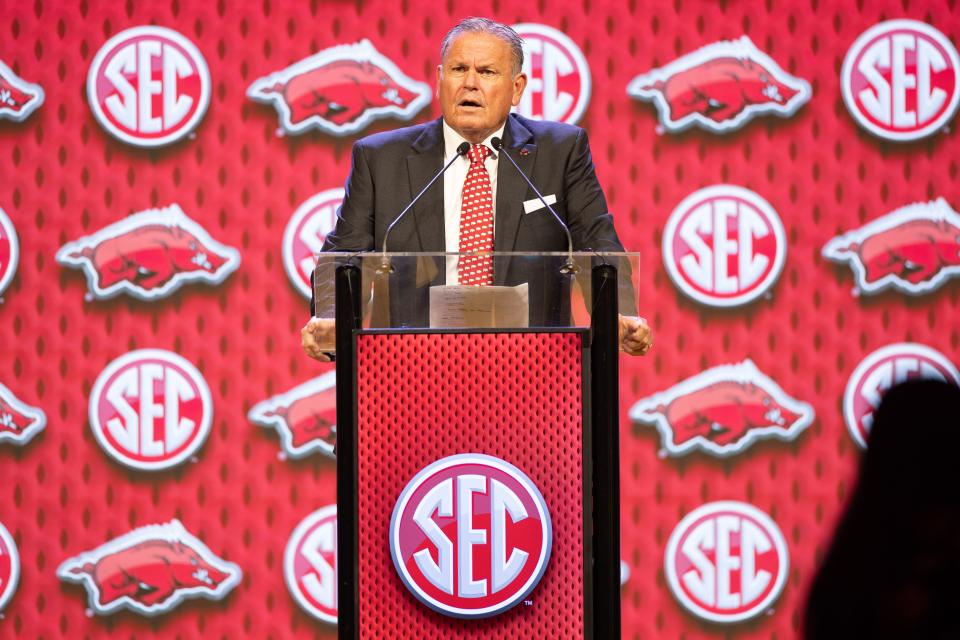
[470, 103]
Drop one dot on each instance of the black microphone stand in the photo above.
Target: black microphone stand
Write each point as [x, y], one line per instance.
[570, 267]
[385, 267]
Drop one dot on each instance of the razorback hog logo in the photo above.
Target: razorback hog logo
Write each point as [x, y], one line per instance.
[882, 369]
[18, 98]
[19, 422]
[310, 564]
[722, 411]
[148, 86]
[9, 567]
[720, 88]
[899, 80]
[149, 255]
[914, 249]
[150, 571]
[340, 91]
[304, 236]
[9, 251]
[726, 562]
[150, 409]
[558, 76]
[724, 246]
[305, 416]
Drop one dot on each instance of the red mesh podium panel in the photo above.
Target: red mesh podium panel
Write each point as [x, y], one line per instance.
[515, 396]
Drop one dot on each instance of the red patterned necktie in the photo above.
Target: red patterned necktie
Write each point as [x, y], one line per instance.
[476, 221]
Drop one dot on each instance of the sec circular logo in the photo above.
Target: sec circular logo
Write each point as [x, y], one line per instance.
[558, 77]
[899, 80]
[305, 233]
[470, 536]
[310, 564]
[150, 409]
[9, 251]
[726, 562]
[882, 369]
[724, 246]
[9, 567]
[148, 86]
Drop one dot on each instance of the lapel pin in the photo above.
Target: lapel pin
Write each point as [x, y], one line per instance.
[524, 152]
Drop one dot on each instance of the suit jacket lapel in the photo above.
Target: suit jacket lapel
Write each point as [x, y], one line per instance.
[511, 187]
[421, 166]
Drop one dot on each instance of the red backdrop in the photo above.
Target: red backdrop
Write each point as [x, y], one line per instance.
[64, 177]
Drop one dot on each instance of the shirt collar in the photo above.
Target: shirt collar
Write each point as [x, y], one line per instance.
[452, 140]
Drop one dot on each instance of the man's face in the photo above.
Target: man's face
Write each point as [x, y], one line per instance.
[476, 85]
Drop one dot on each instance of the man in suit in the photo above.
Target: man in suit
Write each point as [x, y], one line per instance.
[478, 81]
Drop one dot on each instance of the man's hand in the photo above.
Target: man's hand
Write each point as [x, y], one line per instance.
[635, 335]
[318, 338]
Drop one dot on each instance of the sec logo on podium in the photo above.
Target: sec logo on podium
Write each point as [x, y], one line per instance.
[470, 536]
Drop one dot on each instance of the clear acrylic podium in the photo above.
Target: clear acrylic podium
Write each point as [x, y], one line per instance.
[526, 371]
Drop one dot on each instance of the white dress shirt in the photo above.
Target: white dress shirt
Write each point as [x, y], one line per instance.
[453, 181]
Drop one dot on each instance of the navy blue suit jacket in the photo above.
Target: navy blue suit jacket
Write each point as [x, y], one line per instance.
[389, 168]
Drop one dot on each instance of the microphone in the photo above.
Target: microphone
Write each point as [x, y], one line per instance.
[462, 150]
[570, 266]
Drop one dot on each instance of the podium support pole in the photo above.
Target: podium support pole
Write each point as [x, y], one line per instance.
[605, 410]
[348, 320]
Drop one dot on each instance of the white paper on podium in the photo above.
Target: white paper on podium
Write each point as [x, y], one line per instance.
[464, 307]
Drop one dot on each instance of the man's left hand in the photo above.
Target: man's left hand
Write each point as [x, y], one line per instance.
[635, 335]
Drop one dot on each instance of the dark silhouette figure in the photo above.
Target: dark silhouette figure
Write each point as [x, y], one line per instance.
[893, 569]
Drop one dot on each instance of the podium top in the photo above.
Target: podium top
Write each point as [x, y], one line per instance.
[528, 290]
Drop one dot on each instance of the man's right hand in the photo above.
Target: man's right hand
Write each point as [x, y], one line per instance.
[318, 338]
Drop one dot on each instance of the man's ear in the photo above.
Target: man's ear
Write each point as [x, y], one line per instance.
[519, 84]
[439, 77]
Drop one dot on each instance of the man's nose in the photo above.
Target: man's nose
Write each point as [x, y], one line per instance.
[470, 79]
